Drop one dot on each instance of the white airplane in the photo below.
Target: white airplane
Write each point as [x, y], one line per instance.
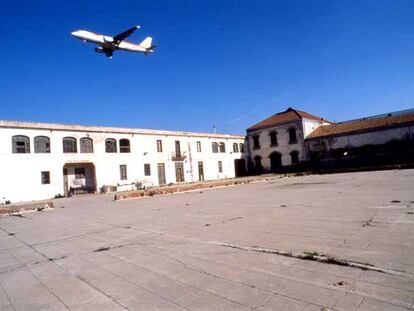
[110, 44]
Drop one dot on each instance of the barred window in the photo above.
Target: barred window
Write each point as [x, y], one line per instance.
[110, 145]
[86, 145]
[69, 145]
[41, 144]
[20, 144]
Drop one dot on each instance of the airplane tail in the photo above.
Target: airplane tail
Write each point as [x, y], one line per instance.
[147, 43]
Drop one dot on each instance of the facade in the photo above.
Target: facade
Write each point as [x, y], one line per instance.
[294, 139]
[40, 161]
[279, 141]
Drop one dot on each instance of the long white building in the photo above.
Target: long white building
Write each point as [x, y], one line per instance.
[40, 161]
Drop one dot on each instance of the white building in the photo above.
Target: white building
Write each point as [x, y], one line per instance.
[39, 160]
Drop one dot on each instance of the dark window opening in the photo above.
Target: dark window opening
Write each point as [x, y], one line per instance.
[199, 146]
[86, 145]
[222, 147]
[124, 146]
[273, 138]
[241, 146]
[147, 169]
[292, 135]
[123, 172]
[235, 148]
[256, 142]
[214, 147]
[110, 145]
[41, 144]
[69, 145]
[177, 149]
[45, 177]
[20, 144]
[220, 167]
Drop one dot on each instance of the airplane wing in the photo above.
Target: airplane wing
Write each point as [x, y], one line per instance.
[123, 35]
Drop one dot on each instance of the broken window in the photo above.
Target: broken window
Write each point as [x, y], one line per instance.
[86, 145]
[124, 146]
[123, 171]
[69, 145]
[199, 146]
[79, 173]
[235, 148]
[45, 177]
[292, 135]
[273, 138]
[159, 145]
[256, 142]
[214, 147]
[20, 144]
[222, 147]
[110, 145]
[41, 144]
[147, 169]
[294, 157]
[220, 167]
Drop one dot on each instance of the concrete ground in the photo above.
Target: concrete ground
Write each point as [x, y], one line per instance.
[216, 249]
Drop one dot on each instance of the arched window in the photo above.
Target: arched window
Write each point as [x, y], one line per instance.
[20, 144]
[214, 147]
[235, 148]
[41, 144]
[292, 135]
[294, 157]
[124, 146]
[110, 145]
[69, 145]
[241, 147]
[86, 145]
[273, 138]
[222, 147]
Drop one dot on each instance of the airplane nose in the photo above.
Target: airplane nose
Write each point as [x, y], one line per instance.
[75, 33]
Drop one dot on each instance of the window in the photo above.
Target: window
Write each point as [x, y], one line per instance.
[241, 146]
[41, 144]
[292, 135]
[235, 148]
[159, 145]
[110, 145]
[69, 145]
[79, 173]
[220, 167]
[273, 138]
[214, 147]
[86, 145]
[20, 144]
[256, 142]
[294, 157]
[123, 172]
[45, 177]
[124, 146]
[222, 147]
[147, 169]
[199, 146]
[177, 149]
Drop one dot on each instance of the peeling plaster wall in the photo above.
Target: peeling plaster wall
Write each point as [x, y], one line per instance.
[20, 178]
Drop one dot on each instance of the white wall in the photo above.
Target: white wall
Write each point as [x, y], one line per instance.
[20, 178]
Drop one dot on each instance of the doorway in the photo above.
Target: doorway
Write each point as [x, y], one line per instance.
[275, 161]
[200, 171]
[79, 178]
[179, 172]
[161, 174]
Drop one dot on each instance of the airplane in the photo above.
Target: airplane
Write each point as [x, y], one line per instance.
[108, 45]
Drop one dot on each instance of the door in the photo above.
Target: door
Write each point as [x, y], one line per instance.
[161, 173]
[200, 171]
[179, 171]
[275, 162]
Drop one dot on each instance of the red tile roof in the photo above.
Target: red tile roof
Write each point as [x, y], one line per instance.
[287, 116]
[362, 125]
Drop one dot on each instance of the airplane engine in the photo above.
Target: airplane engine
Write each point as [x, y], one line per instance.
[99, 50]
[108, 39]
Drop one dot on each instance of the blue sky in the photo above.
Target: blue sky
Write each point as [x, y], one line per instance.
[223, 63]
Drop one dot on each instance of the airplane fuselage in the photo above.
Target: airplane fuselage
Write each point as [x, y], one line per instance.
[108, 42]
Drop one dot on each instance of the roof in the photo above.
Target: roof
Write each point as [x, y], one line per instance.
[287, 116]
[104, 129]
[362, 125]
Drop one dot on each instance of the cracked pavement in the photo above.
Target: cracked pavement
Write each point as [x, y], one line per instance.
[169, 252]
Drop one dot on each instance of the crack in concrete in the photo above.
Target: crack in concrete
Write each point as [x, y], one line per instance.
[7, 296]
